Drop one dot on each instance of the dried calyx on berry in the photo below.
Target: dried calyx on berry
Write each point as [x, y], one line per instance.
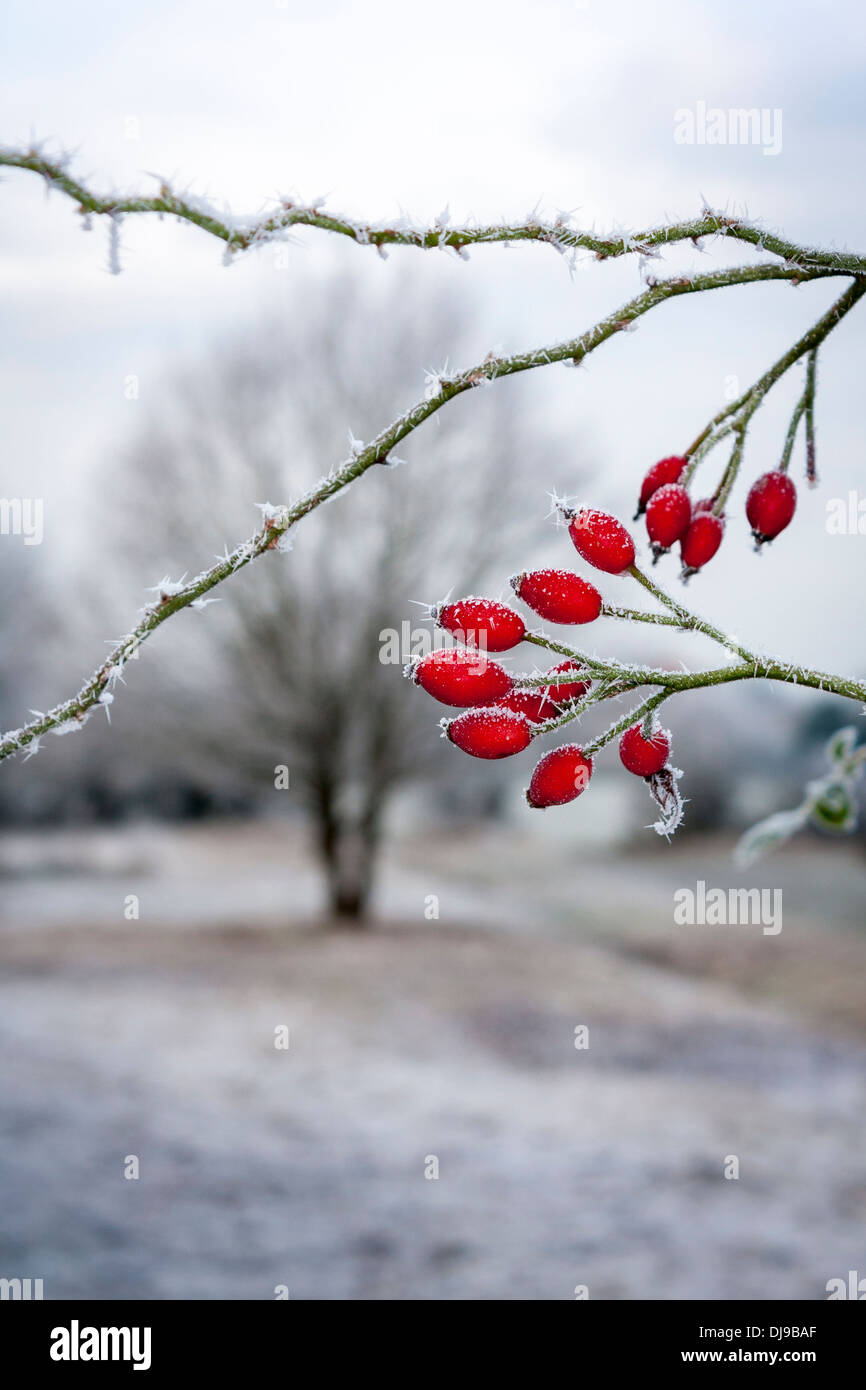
[770, 505]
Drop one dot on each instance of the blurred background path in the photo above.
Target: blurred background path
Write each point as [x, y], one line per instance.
[414, 1039]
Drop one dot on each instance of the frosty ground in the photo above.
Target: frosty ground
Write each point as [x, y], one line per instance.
[451, 1038]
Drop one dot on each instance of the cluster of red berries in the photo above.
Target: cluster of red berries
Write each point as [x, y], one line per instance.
[501, 717]
[671, 516]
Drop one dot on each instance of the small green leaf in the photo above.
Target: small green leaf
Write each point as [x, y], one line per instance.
[835, 809]
[841, 744]
[768, 834]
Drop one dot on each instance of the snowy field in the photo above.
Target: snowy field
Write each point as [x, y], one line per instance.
[449, 1039]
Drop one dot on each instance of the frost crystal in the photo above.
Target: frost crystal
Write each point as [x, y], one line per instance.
[271, 515]
[168, 588]
[434, 383]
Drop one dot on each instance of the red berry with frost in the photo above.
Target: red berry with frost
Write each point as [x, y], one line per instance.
[601, 540]
[562, 693]
[705, 505]
[491, 732]
[482, 622]
[560, 776]
[668, 514]
[770, 505]
[536, 704]
[457, 677]
[667, 470]
[701, 541]
[644, 756]
[558, 595]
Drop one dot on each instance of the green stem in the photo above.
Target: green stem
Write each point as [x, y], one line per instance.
[808, 343]
[685, 619]
[635, 716]
[732, 468]
[541, 639]
[638, 615]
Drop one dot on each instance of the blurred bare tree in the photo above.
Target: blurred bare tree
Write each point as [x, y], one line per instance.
[291, 668]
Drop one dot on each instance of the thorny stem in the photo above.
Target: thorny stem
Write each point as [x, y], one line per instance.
[746, 405]
[559, 233]
[635, 716]
[806, 400]
[639, 615]
[809, 393]
[683, 617]
[541, 639]
[732, 467]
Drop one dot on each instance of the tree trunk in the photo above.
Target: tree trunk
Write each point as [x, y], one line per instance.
[348, 848]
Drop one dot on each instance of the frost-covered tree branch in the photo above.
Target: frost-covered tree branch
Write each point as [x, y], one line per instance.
[240, 234]
[278, 521]
[735, 417]
[795, 264]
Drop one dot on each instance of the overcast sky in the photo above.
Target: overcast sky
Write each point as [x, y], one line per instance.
[490, 108]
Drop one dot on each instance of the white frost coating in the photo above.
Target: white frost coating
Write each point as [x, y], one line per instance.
[270, 514]
[168, 588]
[72, 725]
[434, 382]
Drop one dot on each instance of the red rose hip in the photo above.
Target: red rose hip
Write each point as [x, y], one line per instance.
[457, 677]
[668, 514]
[667, 470]
[601, 540]
[644, 756]
[536, 704]
[562, 693]
[770, 505]
[701, 541]
[482, 622]
[558, 595]
[560, 776]
[491, 732]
